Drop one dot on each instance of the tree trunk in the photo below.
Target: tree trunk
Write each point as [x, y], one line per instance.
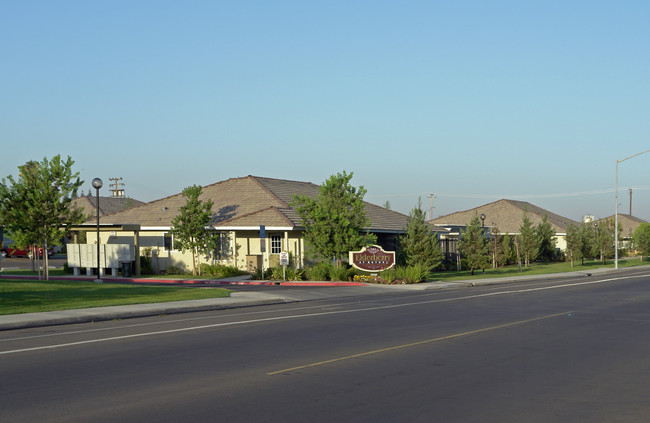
[46, 262]
[518, 253]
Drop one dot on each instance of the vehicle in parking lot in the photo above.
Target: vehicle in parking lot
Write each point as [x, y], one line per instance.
[24, 252]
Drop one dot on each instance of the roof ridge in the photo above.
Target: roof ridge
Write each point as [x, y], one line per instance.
[257, 212]
[255, 178]
[283, 180]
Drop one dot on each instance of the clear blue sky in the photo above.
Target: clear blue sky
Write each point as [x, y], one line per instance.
[472, 101]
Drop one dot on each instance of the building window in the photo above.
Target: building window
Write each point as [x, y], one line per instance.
[276, 244]
[221, 246]
[168, 242]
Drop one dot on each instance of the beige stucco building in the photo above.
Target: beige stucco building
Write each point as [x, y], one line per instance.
[507, 215]
[241, 206]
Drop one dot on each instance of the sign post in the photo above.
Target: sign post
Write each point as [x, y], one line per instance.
[262, 245]
[284, 261]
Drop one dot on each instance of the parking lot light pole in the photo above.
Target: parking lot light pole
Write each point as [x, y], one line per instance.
[616, 213]
[97, 184]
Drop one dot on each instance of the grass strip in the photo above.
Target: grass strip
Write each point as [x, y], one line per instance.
[19, 296]
[534, 269]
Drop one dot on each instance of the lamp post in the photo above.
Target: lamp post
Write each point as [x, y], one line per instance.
[97, 184]
[616, 215]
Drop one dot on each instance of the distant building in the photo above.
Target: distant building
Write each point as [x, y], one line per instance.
[507, 216]
[628, 225]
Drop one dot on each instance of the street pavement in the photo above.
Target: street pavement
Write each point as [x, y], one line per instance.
[236, 299]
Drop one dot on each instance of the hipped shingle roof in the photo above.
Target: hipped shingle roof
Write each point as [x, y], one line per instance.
[248, 202]
[507, 216]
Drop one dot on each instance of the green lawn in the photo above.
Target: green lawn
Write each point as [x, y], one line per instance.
[535, 269]
[20, 296]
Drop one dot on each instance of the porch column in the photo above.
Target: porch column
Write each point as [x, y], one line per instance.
[136, 243]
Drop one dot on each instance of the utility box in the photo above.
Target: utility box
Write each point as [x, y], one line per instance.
[253, 262]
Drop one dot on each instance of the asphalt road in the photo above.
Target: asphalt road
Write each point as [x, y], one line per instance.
[560, 350]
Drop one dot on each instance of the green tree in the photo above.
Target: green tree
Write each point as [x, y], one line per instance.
[496, 246]
[528, 242]
[335, 220]
[473, 245]
[604, 235]
[546, 240]
[37, 207]
[588, 246]
[508, 253]
[420, 245]
[573, 243]
[642, 239]
[191, 226]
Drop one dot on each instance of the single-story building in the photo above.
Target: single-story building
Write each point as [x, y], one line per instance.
[240, 207]
[507, 215]
[628, 225]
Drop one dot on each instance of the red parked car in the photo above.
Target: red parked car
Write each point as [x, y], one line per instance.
[24, 252]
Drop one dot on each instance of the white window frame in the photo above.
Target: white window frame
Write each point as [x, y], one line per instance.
[276, 243]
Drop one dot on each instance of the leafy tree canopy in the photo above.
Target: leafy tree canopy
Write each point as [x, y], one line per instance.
[642, 238]
[335, 220]
[36, 208]
[190, 229]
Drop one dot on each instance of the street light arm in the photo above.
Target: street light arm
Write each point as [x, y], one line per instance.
[628, 158]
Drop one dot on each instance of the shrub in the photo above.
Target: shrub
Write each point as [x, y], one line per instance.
[291, 274]
[338, 273]
[295, 274]
[174, 270]
[389, 275]
[405, 274]
[219, 270]
[317, 272]
[146, 267]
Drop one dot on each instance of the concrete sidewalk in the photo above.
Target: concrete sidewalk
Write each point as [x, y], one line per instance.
[236, 299]
[85, 315]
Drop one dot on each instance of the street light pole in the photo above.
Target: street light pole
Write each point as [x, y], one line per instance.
[616, 215]
[97, 184]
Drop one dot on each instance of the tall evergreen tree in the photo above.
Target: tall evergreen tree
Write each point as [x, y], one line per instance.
[528, 242]
[573, 243]
[496, 245]
[36, 208]
[546, 240]
[473, 245]
[508, 253]
[335, 220]
[586, 242]
[191, 227]
[420, 245]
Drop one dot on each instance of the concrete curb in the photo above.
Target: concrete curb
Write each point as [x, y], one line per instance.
[236, 300]
[96, 314]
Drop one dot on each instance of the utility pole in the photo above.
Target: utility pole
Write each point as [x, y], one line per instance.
[431, 197]
[117, 192]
